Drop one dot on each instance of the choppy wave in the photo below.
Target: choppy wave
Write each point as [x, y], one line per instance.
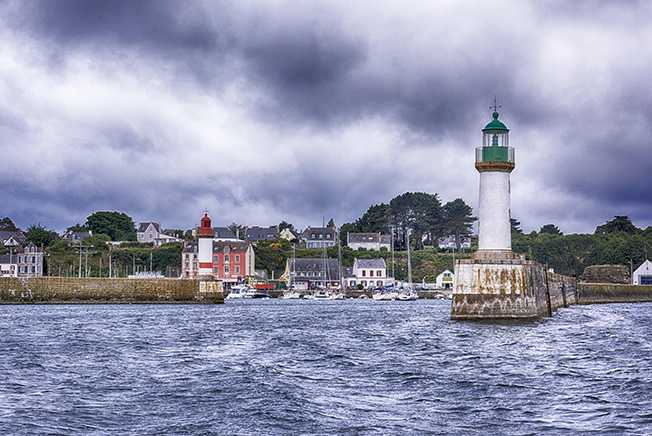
[340, 367]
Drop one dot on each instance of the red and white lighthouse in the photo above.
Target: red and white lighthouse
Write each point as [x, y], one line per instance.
[205, 246]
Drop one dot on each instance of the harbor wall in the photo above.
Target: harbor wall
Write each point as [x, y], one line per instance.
[598, 293]
[508, 289]
[108, 290]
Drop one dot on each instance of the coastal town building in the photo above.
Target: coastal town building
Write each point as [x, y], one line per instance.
[367, 273]
[10, 238]
[449, 243]
[319, 237]
[75, 237]
[445, 280]
[257, 234]
[150, 233]
[22, 261]
[643, 274]
[8, 266]
[312, 273]
[288, 234]
[227, 260]
[225, 234]
[368, 241]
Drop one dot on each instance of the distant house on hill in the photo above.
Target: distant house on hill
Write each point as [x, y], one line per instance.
[312, 273]
[448, 243]
[10, 238]
[25, 261]
[225, 234]
[288, 234]
[319, 237]
[150, 233]
[257, 234]
[643, 274]
[72, 236]
[368, 241]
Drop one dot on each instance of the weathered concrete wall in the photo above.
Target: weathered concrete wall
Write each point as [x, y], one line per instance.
[509, 289]
[596, 293]
[105, 290]
[607, 274]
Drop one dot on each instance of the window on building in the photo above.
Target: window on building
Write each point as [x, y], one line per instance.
[226, 258]
[237, 269]
[379, 273]
[364, 273]
[237, 258]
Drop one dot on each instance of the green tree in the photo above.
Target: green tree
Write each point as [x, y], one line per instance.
[458, 220]
[77, 228]
[375, 219]
[117, 225]
[550, 229]
[419, 211]
[620, 223]
[8, 225]
[40, 236]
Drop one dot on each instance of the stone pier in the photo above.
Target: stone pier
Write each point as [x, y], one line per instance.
[508, 287]
[108, 290]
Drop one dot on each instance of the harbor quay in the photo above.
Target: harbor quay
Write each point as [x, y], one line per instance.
[65, 290]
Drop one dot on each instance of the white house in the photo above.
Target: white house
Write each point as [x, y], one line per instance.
[445, 280]
[368, 241]
[287, 234]
[369, 273]
[643, 274]
[319, 237]
[150, 232]
[8, 266]
[448, 243]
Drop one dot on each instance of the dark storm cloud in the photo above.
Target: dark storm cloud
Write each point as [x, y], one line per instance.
[319, 66]
[310, 64]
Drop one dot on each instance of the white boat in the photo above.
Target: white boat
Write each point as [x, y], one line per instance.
[321, 294]
[241, 292]
[338, 296]
[363, 297]
[408, 295]
[385, 296]
[291, 295]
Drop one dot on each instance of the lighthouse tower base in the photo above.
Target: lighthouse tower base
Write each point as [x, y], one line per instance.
[508, 287]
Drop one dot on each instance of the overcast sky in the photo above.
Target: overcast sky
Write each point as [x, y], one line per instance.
[270, 110]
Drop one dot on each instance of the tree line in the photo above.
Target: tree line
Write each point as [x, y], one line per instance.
[421, 213]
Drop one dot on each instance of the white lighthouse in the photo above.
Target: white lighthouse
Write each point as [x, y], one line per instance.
[205, 247]
[495, 161]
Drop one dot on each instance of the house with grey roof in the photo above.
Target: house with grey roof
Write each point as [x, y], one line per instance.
[319, 237]
[225, 234]
[312, 273]
[368, 274]
[12, 238]
[368, 241]
[76, 236]
[150, 233]
[256, 234]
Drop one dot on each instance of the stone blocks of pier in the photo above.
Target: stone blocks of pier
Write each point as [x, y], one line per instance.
[108, 290]
[505, 287]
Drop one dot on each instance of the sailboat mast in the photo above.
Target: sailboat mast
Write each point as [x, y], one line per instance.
[409, 263]
[339, 259]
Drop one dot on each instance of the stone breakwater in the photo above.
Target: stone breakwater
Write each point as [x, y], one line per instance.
[598, 293]
[510, 289]
[108, 290]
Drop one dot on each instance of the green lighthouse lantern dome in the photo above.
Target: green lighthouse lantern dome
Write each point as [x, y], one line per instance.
[495, 133]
